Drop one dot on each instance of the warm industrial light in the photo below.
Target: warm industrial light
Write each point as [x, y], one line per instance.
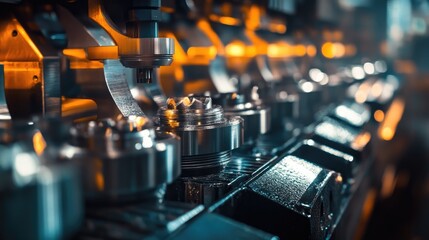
[279, 50]
[39, 143]
[277, 27]
[311, 50]
[99, 179]
[377, 89]
[328, 50]
[236, 49]
[387, 133]
[379, 115]
[239, 49]
[205, 27]
[299, 50]
[253, 17]
[84, 64]
[75, 53]
[337, 35]
[350, 50]
[339, 50]
[179, 74]
[226, 20]
[204, 52]
[362, 92]
[333, 50]
[361, 140]
[260, 46]
[387, 129]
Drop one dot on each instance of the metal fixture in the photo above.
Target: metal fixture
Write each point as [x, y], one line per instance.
[207, 135]
[31, 68]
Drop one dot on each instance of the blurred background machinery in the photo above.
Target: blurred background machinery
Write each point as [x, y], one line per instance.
[234, 119]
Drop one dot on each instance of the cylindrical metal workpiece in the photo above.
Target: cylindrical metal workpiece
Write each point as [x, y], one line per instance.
[122, 160]
[256, 116]
[207, 135]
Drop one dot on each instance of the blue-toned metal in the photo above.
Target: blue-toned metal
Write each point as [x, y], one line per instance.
[300, 199]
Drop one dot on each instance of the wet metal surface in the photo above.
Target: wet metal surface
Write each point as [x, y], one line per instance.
[287, 181]
[326, 157]
[336, 131]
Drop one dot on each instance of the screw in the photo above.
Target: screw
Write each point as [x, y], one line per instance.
[35, 79]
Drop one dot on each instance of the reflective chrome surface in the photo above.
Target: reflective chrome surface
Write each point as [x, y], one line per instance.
[207, 136]
[144, 53]
[256, 116]
[122, 159]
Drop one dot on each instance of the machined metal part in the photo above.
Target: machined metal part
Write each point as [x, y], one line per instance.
[341, 136]
[284, 107]
[310, 101]
[204, 190]
[167, 156]
[300, 199]
[78, 109]
[255, 115]
[31, 69]
[345, 128]
[340, 141]
[207, 135]
[209, 189]
[327, 157]
[123, 159]
[277, 141]
[353, 113]
[106, 82]
[219, 75]
[40, 195]
[144, 53]
[204, 71]
[353, 160]
[116, 80]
